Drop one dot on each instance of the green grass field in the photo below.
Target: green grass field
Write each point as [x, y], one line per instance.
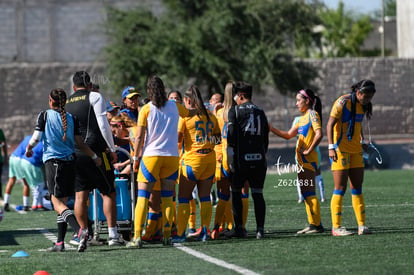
[389, 211]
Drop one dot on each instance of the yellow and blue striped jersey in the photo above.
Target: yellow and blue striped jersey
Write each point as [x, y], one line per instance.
[341, 110]
[307, 125]
[199, 138]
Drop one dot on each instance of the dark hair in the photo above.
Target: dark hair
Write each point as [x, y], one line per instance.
[81, 79]
[177, 92]
[58, 98]
[156, 91]
[244, 88]
[95, 87]
[364, 86]
[145, 100]
[193, 93]
[314, 101]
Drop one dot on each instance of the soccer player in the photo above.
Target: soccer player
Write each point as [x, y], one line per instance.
[199, 134]
[158, 124]
[90, 109]
[318, 175]
[130, 99]
[16, 171]
[309, 131]
[344, 130]
[59, 132]
[248, 136]
[222, 169]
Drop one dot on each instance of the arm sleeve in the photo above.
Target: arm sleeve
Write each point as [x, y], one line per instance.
[337, 108]
[181, 125]
[265, 131]
[143, 115]
[98, 104]
[315, 120]
[41, 121]
[232, 127]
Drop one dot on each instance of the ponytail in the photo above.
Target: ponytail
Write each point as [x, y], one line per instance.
[58, 97]
[197, 101]
[315, 101]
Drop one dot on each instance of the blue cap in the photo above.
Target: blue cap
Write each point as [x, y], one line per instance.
[129, 92]
[110, 106]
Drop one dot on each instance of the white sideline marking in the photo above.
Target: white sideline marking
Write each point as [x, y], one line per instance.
[377, 205]
[51, 237]
[215, 261]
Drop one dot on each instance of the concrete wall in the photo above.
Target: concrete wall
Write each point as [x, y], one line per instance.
[24, 90]
[47, 30]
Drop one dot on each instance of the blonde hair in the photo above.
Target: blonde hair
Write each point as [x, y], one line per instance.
[228, 100]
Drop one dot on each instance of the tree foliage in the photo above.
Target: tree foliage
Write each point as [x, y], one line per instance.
[390, 9]
[210, 43]
[340, 33]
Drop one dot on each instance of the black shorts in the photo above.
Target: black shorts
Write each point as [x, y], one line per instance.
[89, 176]
[60, 177]
[255, 175]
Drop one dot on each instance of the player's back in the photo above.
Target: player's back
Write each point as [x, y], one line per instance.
[252, 133]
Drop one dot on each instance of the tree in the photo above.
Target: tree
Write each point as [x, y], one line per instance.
[341, 34]
[210, 43]
[390, 9]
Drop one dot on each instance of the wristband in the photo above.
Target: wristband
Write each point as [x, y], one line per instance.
[94, 157]
[331, 146]
[135, 158]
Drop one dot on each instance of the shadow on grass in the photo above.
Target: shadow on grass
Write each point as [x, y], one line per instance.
[9, 237]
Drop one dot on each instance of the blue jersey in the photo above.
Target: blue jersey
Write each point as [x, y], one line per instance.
[54, 147]
[36, 159]
[132, 114]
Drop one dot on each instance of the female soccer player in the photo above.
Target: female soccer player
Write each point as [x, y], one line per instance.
[222, 168]
[59, 131]
[200, 134]
[345, 137]
[309, 131]
[157, 124]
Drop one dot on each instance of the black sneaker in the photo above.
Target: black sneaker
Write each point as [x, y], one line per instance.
[236, 233]
[57, 247]
[6, 207]
[27, 208]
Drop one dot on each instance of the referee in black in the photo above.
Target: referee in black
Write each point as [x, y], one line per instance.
[248, 136]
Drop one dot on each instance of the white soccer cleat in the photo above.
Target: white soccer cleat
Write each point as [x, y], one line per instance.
[363, 230]
[341, 231]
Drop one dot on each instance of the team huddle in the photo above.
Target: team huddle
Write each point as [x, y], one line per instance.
[178, 140]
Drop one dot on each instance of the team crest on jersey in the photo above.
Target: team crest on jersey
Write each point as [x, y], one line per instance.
[342, 101]
[313, 116]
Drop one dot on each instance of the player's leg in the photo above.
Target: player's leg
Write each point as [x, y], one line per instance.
[256, 182]
[185, 189]
[356, 178]
[306, 180]
[340, 172]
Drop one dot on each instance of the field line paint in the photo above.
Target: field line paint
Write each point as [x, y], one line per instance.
[50, 236]
[378, 205]
[215, 261]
